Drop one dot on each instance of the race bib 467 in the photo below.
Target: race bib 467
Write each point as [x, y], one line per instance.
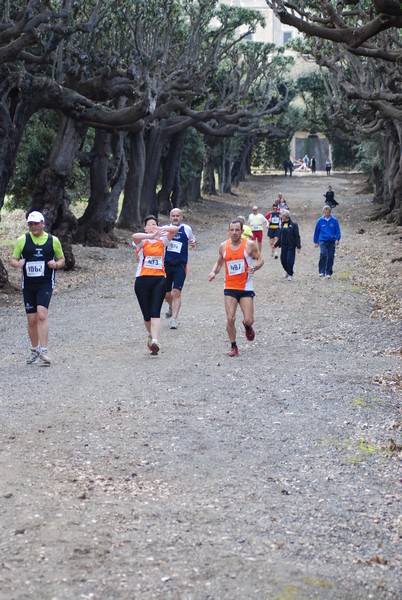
[235, 267]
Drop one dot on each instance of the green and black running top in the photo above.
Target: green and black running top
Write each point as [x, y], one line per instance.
[37, 251]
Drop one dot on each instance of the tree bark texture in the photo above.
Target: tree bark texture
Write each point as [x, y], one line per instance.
[169, 194]
[50, 195]
[107, 175]
[154, 140]
[388, 179]
[130, 215]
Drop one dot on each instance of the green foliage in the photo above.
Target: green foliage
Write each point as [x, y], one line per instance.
[33, 153]
[368, 154]
[343, 153]
[36, 143]
[270, 153]
[194, 154]
[312, 91]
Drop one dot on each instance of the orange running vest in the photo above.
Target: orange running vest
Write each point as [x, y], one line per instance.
[236, 264]
[152, 259]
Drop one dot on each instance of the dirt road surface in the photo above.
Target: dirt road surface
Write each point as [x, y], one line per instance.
[194, 476]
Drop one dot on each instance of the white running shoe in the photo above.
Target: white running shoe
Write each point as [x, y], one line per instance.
[173, 323]
[290, 278]
[168, 313]
[328, 276]
[32, 357]
[44, 360]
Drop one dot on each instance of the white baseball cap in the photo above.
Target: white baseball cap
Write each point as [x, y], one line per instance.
[35, 217]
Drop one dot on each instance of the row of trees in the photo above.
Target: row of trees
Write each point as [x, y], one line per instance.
[140, 87]
[358, 45]
[133, 77]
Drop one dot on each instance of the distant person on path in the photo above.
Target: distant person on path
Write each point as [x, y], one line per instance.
[286, 166]
[330, 198]
[38, 254]
[274, 225]
[237, 255]
[313, 164]
[281, 202]
[291, 166]
[328, 166]
[327, 235]
[288, 242]
[176, 259]
[257, 221]
[150, 281]
[302, 164]
[247, 231]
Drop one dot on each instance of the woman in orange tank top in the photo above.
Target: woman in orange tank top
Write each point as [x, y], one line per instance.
[150, 281]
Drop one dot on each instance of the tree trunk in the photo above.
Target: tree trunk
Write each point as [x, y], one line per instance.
[3, 275]
[154, 144]
[191, 191]
[50, 196]
[226, 179]
[387, 180]
[169, 194]
[117, 182]
[95, 227]
[239, 167]
[130, 215]
[18, 103]
[209, 185]
[395, 175]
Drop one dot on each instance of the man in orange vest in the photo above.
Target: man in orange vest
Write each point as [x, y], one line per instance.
[241, 258]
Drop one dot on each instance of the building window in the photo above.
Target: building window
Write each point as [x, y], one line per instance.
[287, 36]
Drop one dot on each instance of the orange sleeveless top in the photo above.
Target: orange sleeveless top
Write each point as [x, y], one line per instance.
[151, 259]
[236, 264]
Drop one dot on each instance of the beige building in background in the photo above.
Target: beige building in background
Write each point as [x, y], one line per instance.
[273, 32]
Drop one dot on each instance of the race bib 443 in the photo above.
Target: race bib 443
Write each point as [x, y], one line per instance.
[153, 262]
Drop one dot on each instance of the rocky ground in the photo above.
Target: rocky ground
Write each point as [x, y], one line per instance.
[194, 476]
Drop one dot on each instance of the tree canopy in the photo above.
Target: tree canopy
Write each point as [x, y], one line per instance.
[358, 45]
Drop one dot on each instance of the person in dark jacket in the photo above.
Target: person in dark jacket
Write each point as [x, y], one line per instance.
[289, 243]
[330, 198]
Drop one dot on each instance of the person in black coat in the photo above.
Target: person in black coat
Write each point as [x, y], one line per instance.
[288, 242]
[330, 198]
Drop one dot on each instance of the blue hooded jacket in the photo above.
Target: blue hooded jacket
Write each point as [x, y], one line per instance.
[327, 230]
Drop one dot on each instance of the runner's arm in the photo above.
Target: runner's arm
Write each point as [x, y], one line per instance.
[254, 252]
[58, 261]
[168, 231]
[190, 235]
[16, 261]
[155, 232]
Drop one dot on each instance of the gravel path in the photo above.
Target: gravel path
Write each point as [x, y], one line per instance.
[193, 476]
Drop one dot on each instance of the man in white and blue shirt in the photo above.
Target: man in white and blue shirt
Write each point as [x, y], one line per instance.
[176, 259]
